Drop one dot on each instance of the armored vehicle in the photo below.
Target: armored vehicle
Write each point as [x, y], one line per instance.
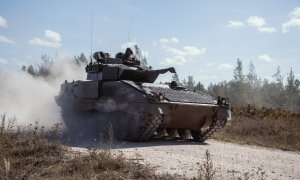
[120, 95]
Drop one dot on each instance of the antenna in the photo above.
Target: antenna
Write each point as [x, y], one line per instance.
[91, 37]
[129, 28]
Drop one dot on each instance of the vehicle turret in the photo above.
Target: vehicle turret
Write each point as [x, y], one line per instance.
[114, 69]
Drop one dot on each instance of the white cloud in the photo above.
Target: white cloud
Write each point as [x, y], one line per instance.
[3, 22]
[52, 39]
[186, 51]
[295, 12]
[180, 56]
[172, 40]
[177, 60]
[265, 57]
[52, 36]
[193, 51]
[3, 61]
[253, 21]
[6, 40]
[256, 21]
[173, 51]
[163, 40]
[259, 23]
[224, 66]
[42, 42]
[235, 24]
[294, 20]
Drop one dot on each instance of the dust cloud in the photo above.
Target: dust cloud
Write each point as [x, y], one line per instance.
[30, 99]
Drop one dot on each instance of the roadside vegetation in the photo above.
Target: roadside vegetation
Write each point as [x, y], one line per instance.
[206, 170]
[34, 153]
[275, 128]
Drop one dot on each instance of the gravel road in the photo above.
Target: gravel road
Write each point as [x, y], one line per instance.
[230, 160]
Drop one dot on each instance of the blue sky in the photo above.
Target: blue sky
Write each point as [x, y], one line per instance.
[199, 38]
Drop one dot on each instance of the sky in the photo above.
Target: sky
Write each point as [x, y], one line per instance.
[199, 38]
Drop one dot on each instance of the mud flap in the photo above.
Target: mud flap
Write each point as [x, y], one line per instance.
[223, 114]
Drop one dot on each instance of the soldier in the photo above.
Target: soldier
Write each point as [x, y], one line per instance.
[128, 55]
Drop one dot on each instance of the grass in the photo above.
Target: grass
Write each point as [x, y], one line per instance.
[206, 170]
[275, 128]
[33, 153]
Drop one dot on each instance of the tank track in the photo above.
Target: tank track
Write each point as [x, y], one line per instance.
[150, 126]
[214, 127]
[153, 122]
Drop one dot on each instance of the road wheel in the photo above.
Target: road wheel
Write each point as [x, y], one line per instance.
[196, 135]
[182, 133]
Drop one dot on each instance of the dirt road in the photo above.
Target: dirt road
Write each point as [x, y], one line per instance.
[231, 160]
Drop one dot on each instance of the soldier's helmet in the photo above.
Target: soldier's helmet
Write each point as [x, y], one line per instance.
[129, 54]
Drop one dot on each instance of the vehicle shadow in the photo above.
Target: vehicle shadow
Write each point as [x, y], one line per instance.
[120, 144]
[155, 142]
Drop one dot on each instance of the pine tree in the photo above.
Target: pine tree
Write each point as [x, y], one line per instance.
[238, 72]
[277, 76]
[81, 59]
[31, 70]
[140, 55]
[190, 82]
[292, 90]
[252, 76]
[45, 66]
[238, 85]
[175, 78]
[184, 83]
[200, 87]
[252, 86]
[292, 84]
[23, 68]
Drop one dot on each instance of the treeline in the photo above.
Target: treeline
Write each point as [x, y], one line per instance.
[248, 88]
[243, 89]
[44, 68]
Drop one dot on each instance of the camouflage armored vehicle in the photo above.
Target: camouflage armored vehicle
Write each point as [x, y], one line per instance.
[121, 95]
